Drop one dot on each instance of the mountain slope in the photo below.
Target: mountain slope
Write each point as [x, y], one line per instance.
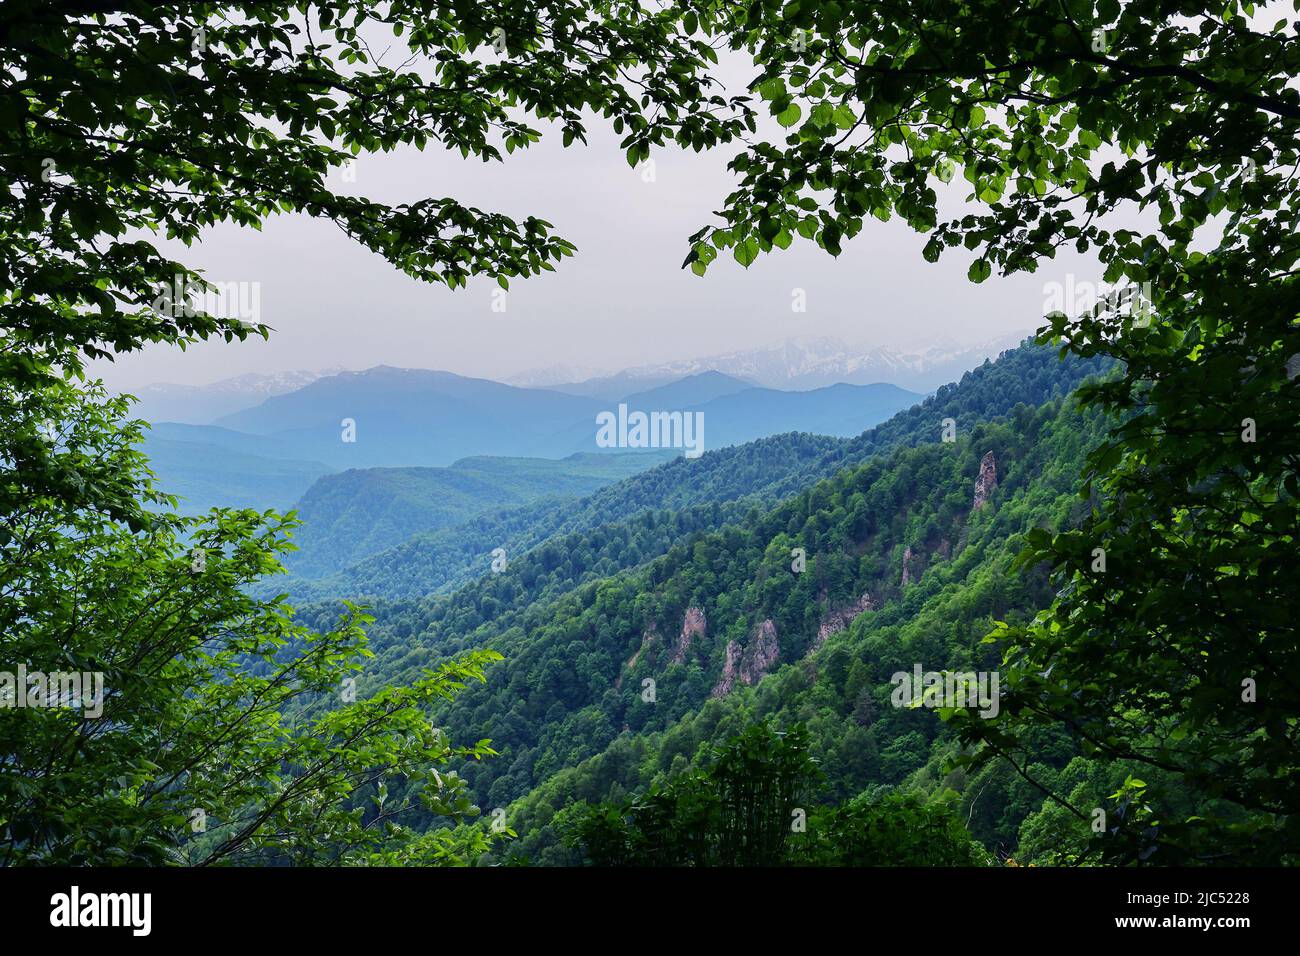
[838, 410]
[348, 516]
[737, 416]
[904, 571]
[700, 493]
[907, 563]
[412, 417]
[688, 392]
[205, 475]
[706, 492]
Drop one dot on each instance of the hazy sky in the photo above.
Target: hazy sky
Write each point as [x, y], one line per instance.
[622, 301]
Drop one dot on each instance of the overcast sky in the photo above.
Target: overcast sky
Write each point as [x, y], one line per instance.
[622, 301]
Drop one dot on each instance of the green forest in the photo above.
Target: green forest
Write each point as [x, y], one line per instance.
[1044, 617]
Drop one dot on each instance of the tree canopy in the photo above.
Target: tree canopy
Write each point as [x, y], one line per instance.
[1160, 137]
[124, 122]
[1163, 138]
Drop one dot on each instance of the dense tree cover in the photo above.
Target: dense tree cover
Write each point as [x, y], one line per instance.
[121, 121]
[864, 745]
[1029, 375]
[564, 562]
[743, 808]
[738, 478]
[363, 511]
[567, 709]
[184, 755]
[1162, 137]
[897, 829]
[441, 561]
[841, 693]
[739, 810]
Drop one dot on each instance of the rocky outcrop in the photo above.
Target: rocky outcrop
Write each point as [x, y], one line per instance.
[648, 637]
[907, 565]
[750, 664]
[763, 651]
[730, 670]
[986, 482]
[693, 625]
[840, 618]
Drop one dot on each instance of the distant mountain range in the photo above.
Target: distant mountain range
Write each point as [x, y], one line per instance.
[413, 417]
[264, 440]
[392, 417]
[203, 404]
[794, 364]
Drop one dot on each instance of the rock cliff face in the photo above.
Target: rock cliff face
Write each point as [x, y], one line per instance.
[907, 566]
[693, 625]
[986, 482]
[750, 664]
[840, 618]
[763, 651]
[730, 669]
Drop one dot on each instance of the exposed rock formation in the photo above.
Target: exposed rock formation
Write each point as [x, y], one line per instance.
[986, 482]
[763, 651]
[907, 565]
[749, 665]
[693, 625]
[840, 618]
[730, 668]
[650, 636]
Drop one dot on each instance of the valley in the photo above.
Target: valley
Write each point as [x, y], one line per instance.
[684, 584]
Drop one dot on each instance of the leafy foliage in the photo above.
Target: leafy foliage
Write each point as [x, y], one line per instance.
[119, 123]
[192, 759]
[157, 117]
[736, 811]
[895, 830]
[1067, 121]
[741, 809]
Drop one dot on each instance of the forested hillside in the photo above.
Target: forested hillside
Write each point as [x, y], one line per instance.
[1044, 616]
[349, 516]
[901, 567]
[905, 557]
[727, 481]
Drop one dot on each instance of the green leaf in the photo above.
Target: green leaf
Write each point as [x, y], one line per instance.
[789, 116]
[746, 252]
